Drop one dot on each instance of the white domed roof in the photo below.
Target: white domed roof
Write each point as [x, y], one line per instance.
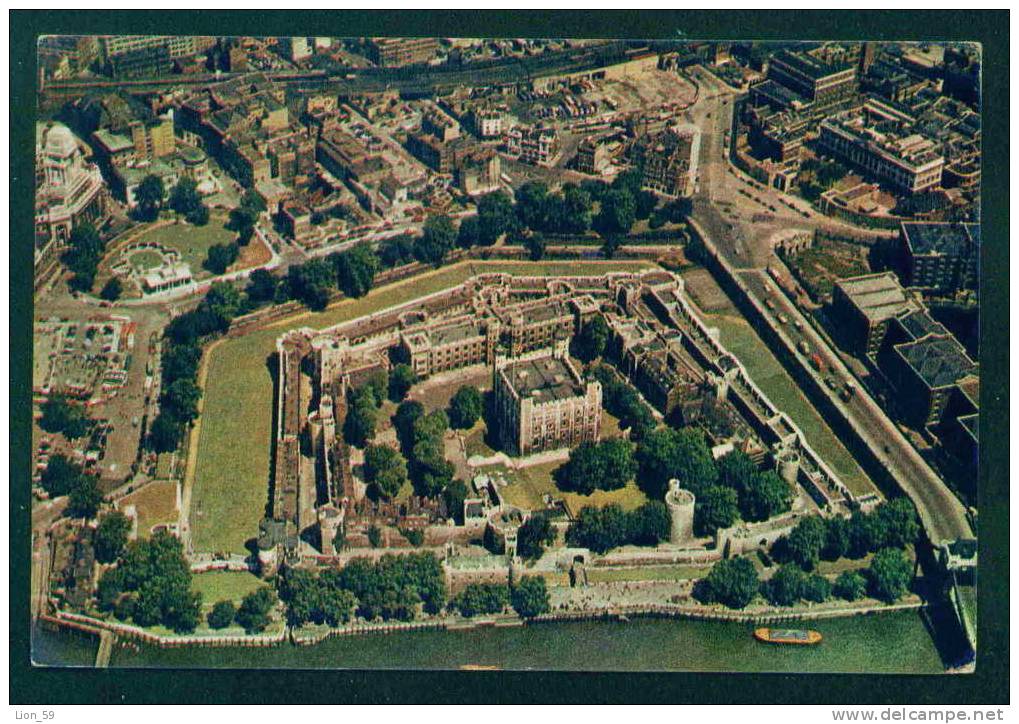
[60, 141]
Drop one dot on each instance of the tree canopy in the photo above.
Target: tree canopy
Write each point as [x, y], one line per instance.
[465, 407]
[605, 465]
[890, 574]
[111, 536]
[437, 241]
[668, 453]
[385, 469]
[60, 415]
[529, 597]
[732, 582]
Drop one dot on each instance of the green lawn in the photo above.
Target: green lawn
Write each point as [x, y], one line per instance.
[646, 573]
[767, 372]
[193, 242]
[230, 488]
[529, 485]
[225, 586]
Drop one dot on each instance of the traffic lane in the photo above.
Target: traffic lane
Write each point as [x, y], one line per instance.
[945, 517]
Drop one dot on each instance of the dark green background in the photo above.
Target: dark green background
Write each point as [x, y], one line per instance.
[989, 683]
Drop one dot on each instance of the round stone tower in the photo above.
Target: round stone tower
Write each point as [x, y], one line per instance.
[680, 503]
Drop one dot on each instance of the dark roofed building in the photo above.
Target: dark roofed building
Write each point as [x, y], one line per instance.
[864, 305]
[816, 80]
[924, 373]
[940, 257]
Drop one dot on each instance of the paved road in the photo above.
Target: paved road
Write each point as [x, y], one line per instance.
[726, 217]
[942, 514]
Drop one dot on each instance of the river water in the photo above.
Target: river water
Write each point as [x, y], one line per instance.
[884, 643]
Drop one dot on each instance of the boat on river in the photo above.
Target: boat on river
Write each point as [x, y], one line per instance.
[787, 636]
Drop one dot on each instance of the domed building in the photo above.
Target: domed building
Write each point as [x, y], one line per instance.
[69, 191]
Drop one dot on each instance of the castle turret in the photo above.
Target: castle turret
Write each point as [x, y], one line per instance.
[680, 503]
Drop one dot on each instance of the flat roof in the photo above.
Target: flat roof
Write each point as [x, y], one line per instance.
[878, 296]
[939, 238]
[454, 333]
[809, 65]
[918, 323]
[939, 361]
[543, 380]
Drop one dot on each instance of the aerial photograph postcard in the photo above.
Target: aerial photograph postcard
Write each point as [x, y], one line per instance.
[505, 353]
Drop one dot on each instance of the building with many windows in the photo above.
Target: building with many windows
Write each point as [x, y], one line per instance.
[667, 161]
[908, 162]
[433, 349]
[543, 403]
[940, 258]
[395, 52]
[817, 80]
[69, 191]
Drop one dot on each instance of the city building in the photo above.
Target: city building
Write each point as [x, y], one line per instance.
[433, 349]
[487, 122]
[153, 139]
[395, 52]
[479, 172]
[940, 258]
[667, 161]
[863, 306]
[592, 157]
[534, 146]
[907, 161]
[820, 82]
[924, 374]
[296, 49]
[533, 325]
[69, 191]
[544, 404]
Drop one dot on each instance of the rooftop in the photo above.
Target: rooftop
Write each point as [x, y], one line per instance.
[918, 323]
[941, 238]
[455, 333]
[878, 296]
[810, 66]
[938, 360]
[543, 380]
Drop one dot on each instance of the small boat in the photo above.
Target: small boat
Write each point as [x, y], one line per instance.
[787, 636]
[479, 667]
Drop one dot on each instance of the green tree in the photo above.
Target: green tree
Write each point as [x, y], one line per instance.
[618, 212]
[222, 614]
[496, 217]
[532, 205]
[863, 533]
[60, 476]
[406, 415]
[454, 494]
[850, 586]
[535, 246]
[529, 597]
[575, 210]
[312, 282]
[437, 241]
[890, 574]
[111, 536]
[465, 407]
[645, 202]
[356, 269]
[165, 434]
[262, 286]
[220, 257]
[897, 522]
[362, 414]
[385, 469]
[736, 470]
[85, 251]
[180, 400]
[592, 339]
[605, 465]
[401, 379]
[186, 201]
[84, 499]
[253, 613]
[766, 495]
[112, 290]
[715, 508]
[805, 542]
[60, 415]
[468, 233]
[786, 586]
[732, 582]
[816, 588]
[532, 537]
[649, 524]
[374, 536]
[484, 598]
[836, 539]
[599, 529]
[224, 300]
[668, 453]
[149, 197]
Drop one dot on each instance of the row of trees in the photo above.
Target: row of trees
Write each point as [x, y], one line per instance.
[892, 524]
[601, 529]
[85, 248]
[604, 465]
[735, 583]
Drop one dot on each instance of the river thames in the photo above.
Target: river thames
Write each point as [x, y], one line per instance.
[882, 643]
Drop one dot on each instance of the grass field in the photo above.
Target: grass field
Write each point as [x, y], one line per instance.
[156, 504]
[767, 372]
[529, 485]
[225, 586]
[646, 573]
[230, 486]
[193, 242]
